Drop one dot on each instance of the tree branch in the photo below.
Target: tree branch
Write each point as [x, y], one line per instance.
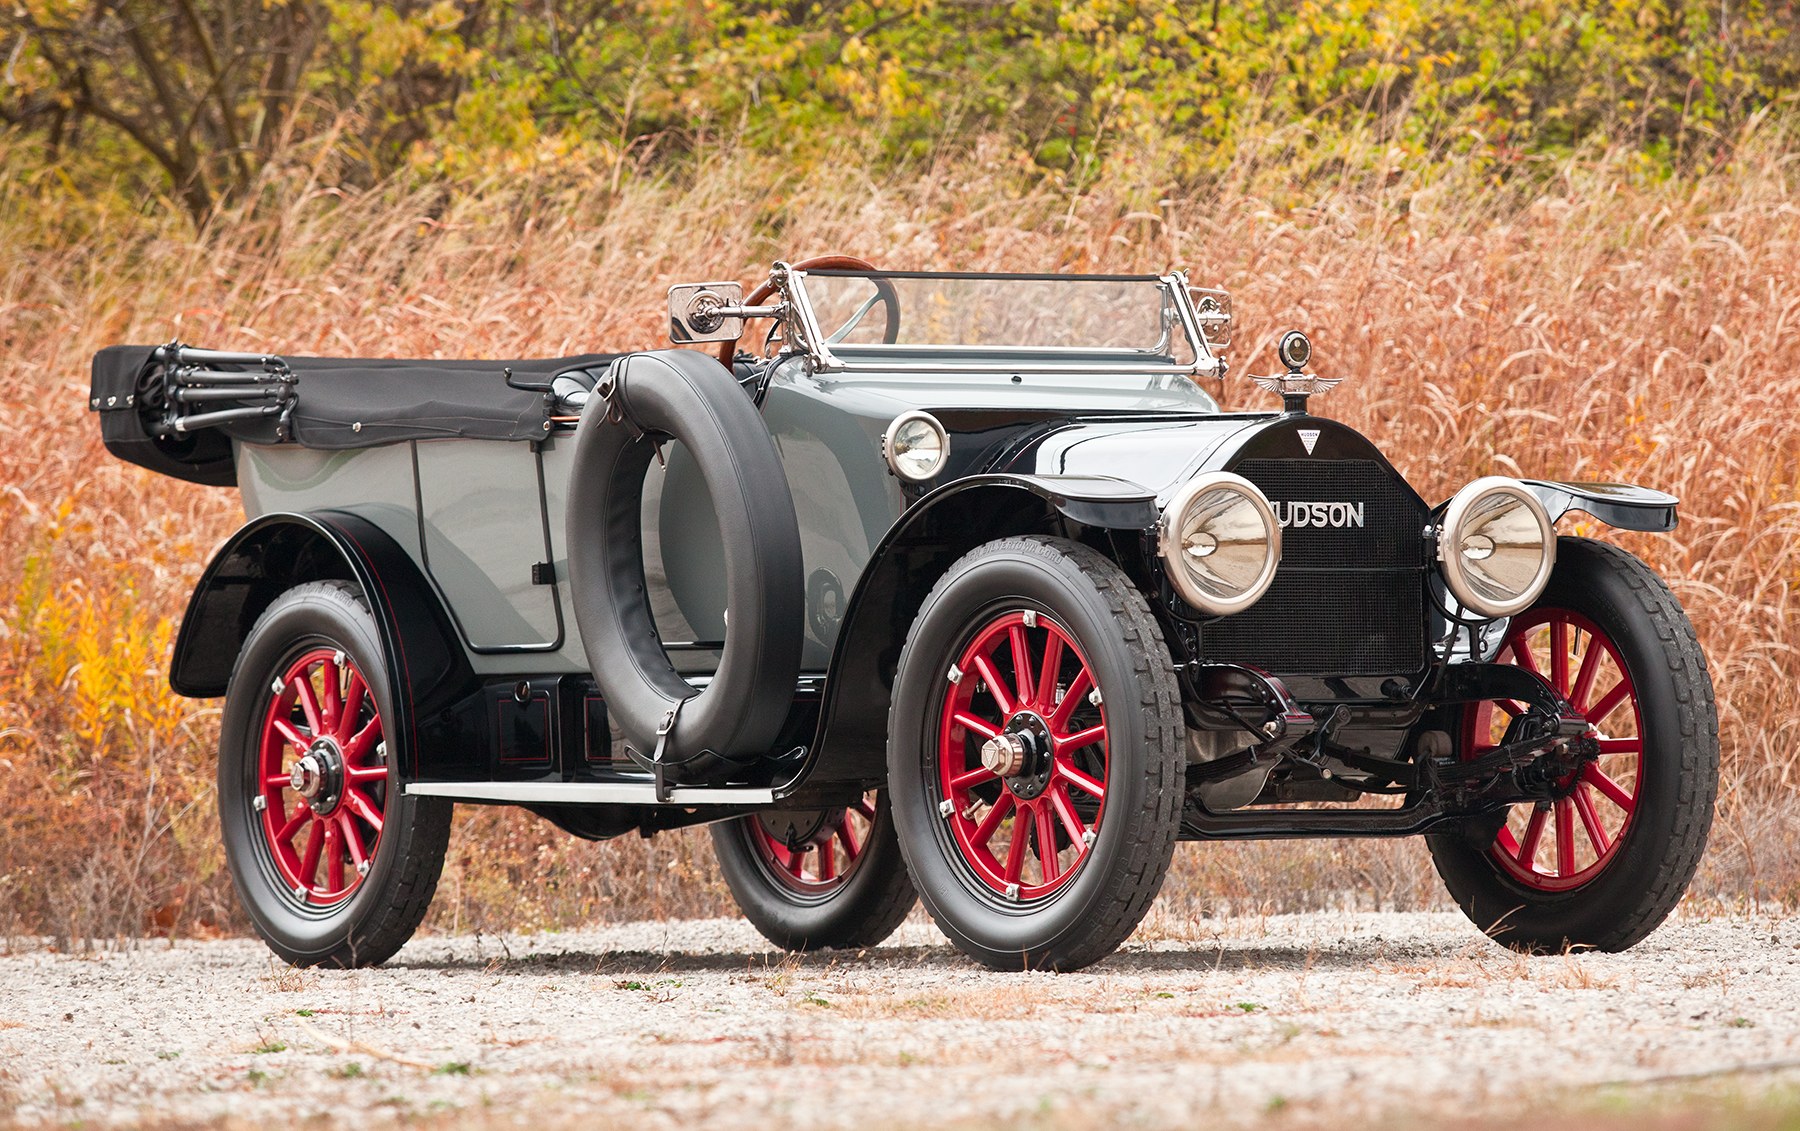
[290, 52]
[220, 92]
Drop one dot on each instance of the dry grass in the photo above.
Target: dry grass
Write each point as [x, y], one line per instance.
[1595, 328]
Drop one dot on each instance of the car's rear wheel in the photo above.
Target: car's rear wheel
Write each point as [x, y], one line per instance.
[1034, 755]
[1605, 861]
[817, 878]
[334, 864]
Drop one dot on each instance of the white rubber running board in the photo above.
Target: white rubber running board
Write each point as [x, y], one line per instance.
[589, 793]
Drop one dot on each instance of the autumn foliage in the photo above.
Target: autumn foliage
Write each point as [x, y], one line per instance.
[1536, 265]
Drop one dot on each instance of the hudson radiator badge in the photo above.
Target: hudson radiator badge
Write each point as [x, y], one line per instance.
[1297, 515]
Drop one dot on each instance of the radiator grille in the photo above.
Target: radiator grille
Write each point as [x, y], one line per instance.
[1347, 600]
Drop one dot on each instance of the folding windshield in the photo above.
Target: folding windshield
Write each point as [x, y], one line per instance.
[935, 321]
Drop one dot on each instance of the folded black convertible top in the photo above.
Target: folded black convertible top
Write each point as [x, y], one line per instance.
[327, 403]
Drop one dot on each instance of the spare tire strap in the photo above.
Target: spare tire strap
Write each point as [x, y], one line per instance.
[662, 740]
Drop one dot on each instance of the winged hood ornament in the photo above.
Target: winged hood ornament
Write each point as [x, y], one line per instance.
[1295, 385]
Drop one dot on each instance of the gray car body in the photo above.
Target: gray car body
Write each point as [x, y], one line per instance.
[477, 515]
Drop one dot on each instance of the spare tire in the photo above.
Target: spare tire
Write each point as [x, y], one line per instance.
[649, 398]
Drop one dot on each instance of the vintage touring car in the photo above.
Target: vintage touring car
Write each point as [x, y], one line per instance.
[956, 584]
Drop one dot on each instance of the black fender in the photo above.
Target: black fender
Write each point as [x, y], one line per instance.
[272, 554]
[1107, 513]
[1619, 505]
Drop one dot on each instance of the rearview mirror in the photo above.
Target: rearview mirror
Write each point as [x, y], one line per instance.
[697, 313]
[1212, 308]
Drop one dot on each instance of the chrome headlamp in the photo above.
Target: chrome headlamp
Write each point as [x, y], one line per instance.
[1220, 542]
[1496, 546]
[916, 446]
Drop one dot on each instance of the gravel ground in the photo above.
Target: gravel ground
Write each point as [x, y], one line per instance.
[1324, 1018]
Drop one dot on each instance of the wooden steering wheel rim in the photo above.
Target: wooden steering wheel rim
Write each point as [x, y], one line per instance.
[728, 350]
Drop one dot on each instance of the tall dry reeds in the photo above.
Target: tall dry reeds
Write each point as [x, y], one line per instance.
[1591, 327]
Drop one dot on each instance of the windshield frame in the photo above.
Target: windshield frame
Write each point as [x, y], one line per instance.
[807, 336]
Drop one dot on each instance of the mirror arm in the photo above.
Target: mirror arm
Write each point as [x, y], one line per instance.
[749, 312]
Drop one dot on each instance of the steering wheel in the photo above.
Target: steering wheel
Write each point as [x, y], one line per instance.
[884, 290]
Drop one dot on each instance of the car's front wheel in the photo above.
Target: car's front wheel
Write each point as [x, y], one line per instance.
[333, 862]
[1606, 859]
[1034, 754]
[817, 878]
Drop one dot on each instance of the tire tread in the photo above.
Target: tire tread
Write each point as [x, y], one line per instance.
[423, 840]
[1138, 873]
[863, 913]
[1696, 769]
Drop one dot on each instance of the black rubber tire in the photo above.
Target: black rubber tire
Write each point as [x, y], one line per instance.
[1094, 600]
[1679, 777]
[375, 919]
[873, 900]
[738, 716]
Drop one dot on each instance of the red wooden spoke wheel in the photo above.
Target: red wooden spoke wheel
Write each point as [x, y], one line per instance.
[1556, 846]
[1606, 855]
[334, 865]
[811, 878]
[813, 853]
[1034, 761]
[322, 780]
[1022, 756]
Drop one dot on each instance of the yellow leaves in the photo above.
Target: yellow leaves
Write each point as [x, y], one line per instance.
[387, 40]
[57, 13]
[1085, 82]
[111, 661]
[895, 88]
[493, 121]
[88, 664]
[856, 50]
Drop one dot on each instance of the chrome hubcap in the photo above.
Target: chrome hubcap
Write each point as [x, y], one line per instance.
[318, 776]
[1003, 755]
